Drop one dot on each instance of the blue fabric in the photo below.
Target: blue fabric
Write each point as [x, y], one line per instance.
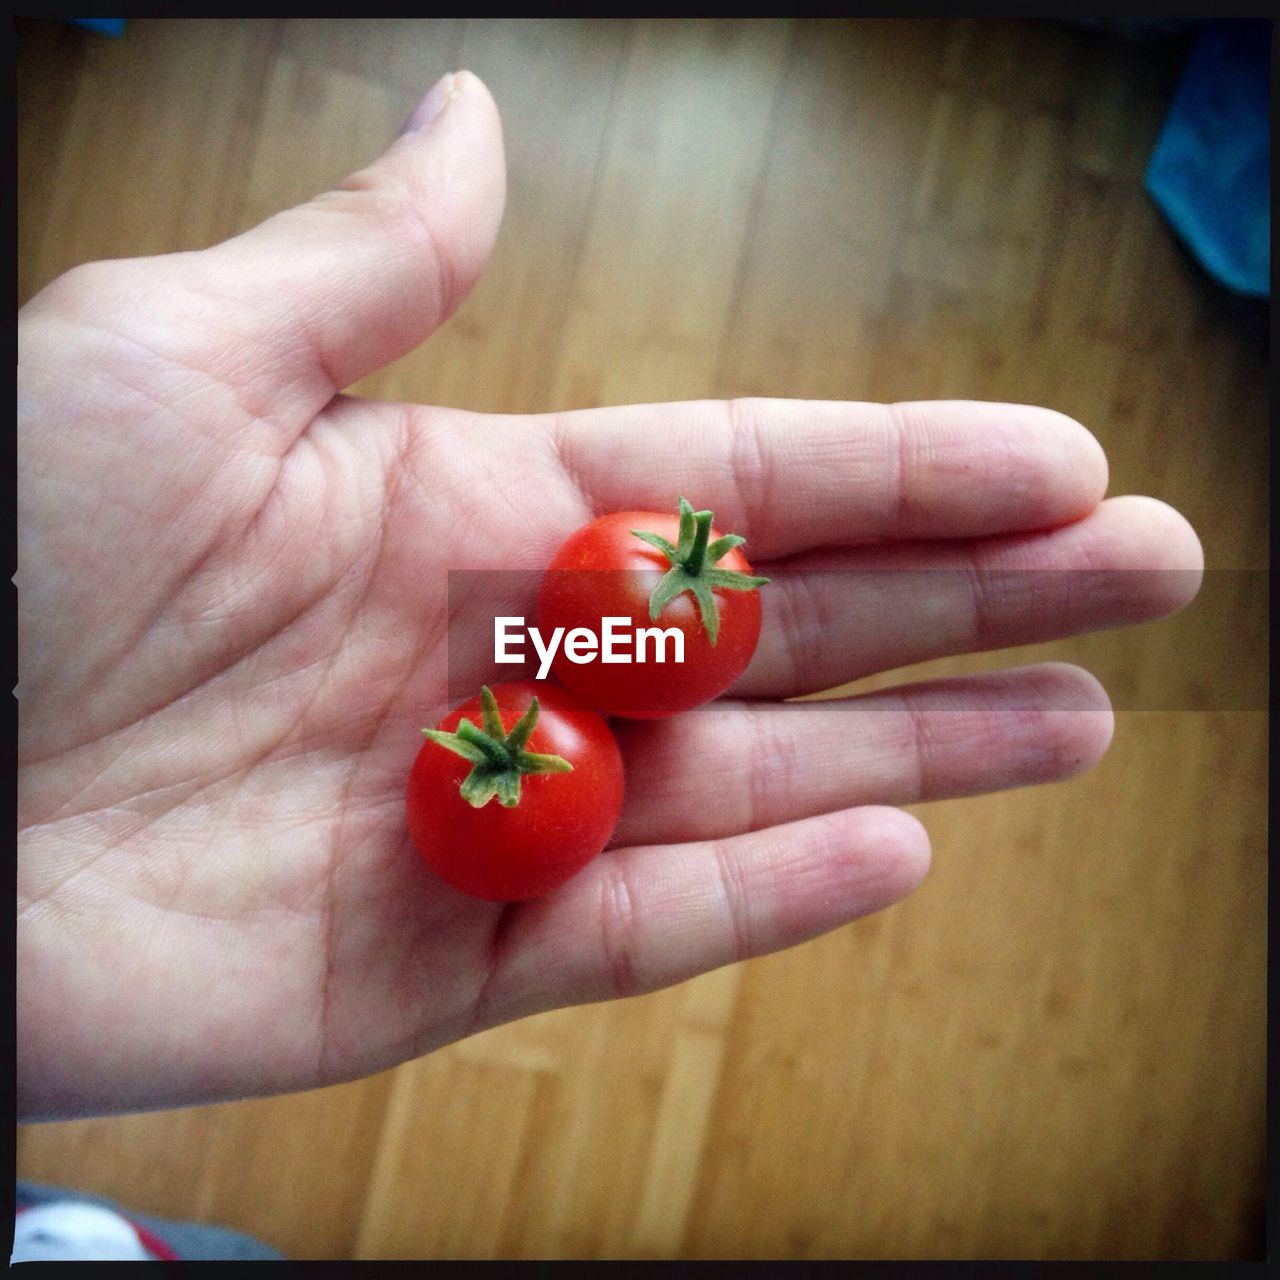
[1211, 170]
[104, 26]
[191, 1241]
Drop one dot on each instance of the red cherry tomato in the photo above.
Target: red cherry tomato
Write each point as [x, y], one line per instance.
[505, 821]
[606, 570]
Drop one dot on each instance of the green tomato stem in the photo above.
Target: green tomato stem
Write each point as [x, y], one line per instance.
[692, 562]
[697, 556]
[498, 759]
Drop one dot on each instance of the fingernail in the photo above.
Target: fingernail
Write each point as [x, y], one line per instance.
[432, 106]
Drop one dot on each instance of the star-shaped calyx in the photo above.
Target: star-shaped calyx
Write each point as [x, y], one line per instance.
[693, 561]
[499, 759]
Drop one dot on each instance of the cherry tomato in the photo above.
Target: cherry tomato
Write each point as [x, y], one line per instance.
[656, 571]
[515, 791]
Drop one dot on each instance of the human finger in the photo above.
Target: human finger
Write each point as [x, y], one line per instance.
[731, 767]
[837, 617]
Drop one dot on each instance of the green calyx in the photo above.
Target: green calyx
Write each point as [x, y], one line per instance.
[498, 758]
[693, 569]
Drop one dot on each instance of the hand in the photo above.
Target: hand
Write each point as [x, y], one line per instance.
[233, 626]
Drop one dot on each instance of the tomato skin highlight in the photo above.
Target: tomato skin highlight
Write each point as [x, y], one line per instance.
[604, 570]
[562, 820]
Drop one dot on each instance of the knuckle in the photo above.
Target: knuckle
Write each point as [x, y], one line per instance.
[618, 933]
[772, 772]
[734, 900]
[800, 625]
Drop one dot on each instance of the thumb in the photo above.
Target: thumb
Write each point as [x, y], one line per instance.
[338, 287]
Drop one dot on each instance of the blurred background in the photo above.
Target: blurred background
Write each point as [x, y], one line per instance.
[1056, 1047]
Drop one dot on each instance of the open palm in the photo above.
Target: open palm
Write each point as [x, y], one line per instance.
[234, 621]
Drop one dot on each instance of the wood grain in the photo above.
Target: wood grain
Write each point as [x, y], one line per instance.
[1056, 1047]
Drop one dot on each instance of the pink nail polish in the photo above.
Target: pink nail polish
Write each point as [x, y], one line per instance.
[432, 106]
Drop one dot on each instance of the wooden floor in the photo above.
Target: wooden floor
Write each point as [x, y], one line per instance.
[1056, 1047]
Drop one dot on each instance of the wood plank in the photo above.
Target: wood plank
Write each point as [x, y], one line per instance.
[152, 160]
[656, 270]
[995, 1069]
[51, 57]
[318, 125]
[678, 1143]
[829, 213]
[406, 55]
